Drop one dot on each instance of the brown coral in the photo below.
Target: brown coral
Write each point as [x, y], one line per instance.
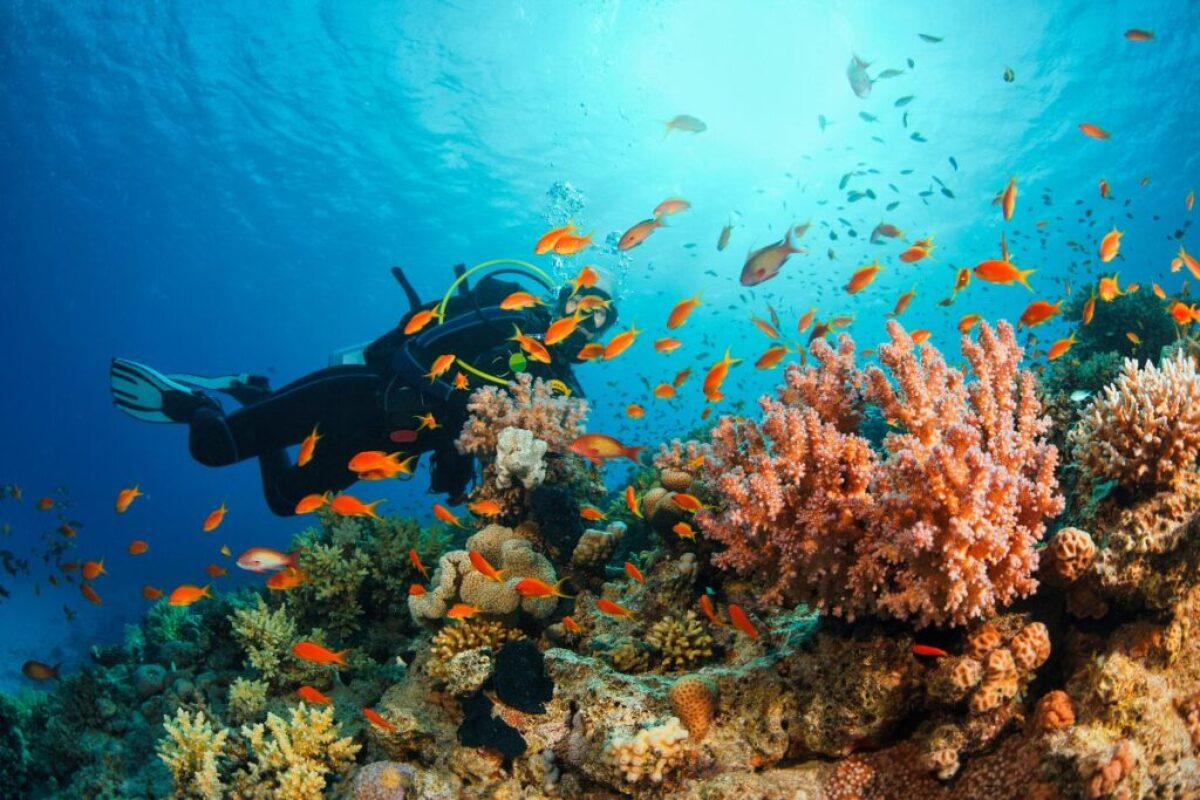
[469, 635]
[682, 642]
[1054, 712]
[1144, 429]
[694, 701]
[1068, 555]
[675, 480]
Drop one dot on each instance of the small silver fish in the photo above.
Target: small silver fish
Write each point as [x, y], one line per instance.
[723, 239]
[1079, 395]
[860, 81]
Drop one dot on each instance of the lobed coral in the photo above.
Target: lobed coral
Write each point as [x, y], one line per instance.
[1143, 430]
[472, 634]
[650, 754]
[191, 750]
[941, 530]
[681, 641]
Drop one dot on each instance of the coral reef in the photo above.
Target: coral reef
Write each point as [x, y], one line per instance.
[247, 700]
[650, 754]
[293, 759]
[191, 751]
[681, 641]
[832, 524]
[519, 459]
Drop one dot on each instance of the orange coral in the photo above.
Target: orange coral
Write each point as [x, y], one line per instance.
[1054, 712]
[694, 701]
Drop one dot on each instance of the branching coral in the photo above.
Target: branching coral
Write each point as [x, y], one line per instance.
[525, 403]
[941, 530]
[191, 750]
[1144, 429]
[247, 699]
[834, 390]
[294, 761]
[265, 636]
[682, 642]
[335, 574]
[468, 635]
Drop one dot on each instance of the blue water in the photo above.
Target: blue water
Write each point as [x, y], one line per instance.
[224, 189]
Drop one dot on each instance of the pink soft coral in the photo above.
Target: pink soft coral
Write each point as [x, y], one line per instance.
[939, 530]
[525, 403]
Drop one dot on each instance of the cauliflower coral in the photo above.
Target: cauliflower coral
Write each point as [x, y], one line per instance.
[939, 529]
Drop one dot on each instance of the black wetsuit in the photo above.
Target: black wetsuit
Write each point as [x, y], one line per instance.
[359, 407]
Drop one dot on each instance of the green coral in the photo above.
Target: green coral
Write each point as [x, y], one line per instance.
[247, 699]
[334, 578]
[192, 750]
[265, 636]
[293, 759]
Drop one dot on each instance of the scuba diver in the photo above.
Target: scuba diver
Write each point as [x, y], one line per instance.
[374, 399]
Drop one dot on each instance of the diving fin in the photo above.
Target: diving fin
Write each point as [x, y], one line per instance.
[148, 395]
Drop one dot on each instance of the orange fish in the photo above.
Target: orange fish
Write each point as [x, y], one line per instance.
[921, 335]
[687, 502]
[441, 365]
[1109, 288]
[1060, 348]
[683, 530]
[378, 721]
[1104, 188]
[314, 653]
[592, 514]
[639, 233]
[68, 566]
[1132, 288]
[215, 571]
[532, 587]
[310, 695]
[561, 329]
[484, 508]
[681, 376]
[1158, 291]
[631, 502]
[214, 518]
[536, 350]
[706, 606]
[1008, 199]
[1038, 312]
[667, 345]
[67, 531]
[311, 502]
[632, 571]
[806, 320]
[187, 594]
[93, 570]
[597, 447]
[1189, 262]
[90, 594]
[225, 551]
[45, 504]
[151, 593]
[418, 321]
[125, 498]
[417, 590]
[485, 568]
[569, 244]
[586, 279]
[664, 391]
[1181, 314]
[904, 301]
[1139, 35]
[462, 611]
[137, 547]
[634, 411]
[571, 625]
[591, 302]
[620, 343]
[376, 463]
[1004, 273]
[548, 239]
[742, 622]
[265, 559]
[767, 328]
[968, 322]
[1133, 337]
[771, 358]
[918, 252]
[347, 505]
[39, 671]
[307, 447]
[928, 650]
[1110, 245]
[716, 376]
[610, 609]
[1089, 309]
[428, 421]
[1094, 131]
[1190, 200]
[672, 205]
[682, 310]
[445, 515]
[518, 301]
[461, 381]
[590, 352]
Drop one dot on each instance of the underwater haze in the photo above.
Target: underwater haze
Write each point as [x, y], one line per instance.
[217, 189]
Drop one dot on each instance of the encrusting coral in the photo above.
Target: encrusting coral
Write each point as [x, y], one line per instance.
[940, 531]
[191, 750]
[1143, 429]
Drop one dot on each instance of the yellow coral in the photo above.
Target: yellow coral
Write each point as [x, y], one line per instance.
[335, 575]
[247, 699]
[682, 641]
[470, 635]
[265, 635]
[294, 761]
[650, 753]
[190, 750]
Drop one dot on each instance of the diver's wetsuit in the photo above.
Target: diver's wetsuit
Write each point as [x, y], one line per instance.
[373, 406]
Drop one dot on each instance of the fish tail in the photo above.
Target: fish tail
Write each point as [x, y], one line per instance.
[1023, 277]
[558, 589]
[632, 453]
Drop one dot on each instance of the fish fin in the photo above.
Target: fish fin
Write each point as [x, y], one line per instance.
[1023, 277]
[632, 453]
